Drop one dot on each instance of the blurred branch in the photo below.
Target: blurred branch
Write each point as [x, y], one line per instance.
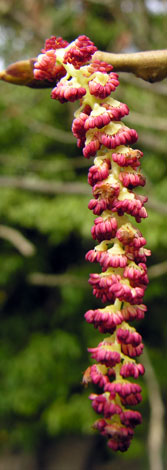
[157, 206]
[56, 165]
[156, 123]
[158, 88]
[25, 247]
[53, 187]
[152, 141]
[156, 424]
[149, 65]
[53, 280]
[157, 270]
[50, 131]
[44, 186]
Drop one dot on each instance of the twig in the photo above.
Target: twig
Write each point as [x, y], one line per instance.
[149, 65]
[156, 424]
[25, 247]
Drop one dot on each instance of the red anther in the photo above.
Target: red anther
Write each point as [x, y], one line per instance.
[99, 173]
[132, 351]
[99, 66]
[132, 370]
[137, 255]
[102, 404]
[127, 337]
[134, 312]
[46, 67]
[80, 52]
[138, 274]
[98, 206]
[131, 418]
[105, 320]
[65, 92]
[130, 236]
[54, 43]
[91, 148]
[123, 137]
[132, 207]
[78, 126]
[124, 389]
[97, 377]
[132, 158]
[131, 180]
[102, 91]
[104, 229]
[105, 355]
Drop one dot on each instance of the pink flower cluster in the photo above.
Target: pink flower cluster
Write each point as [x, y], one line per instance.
[121, 251]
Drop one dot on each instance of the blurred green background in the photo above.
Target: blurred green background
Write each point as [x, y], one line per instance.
[43, 281]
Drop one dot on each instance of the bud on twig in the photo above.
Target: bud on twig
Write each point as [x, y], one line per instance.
[21, 73]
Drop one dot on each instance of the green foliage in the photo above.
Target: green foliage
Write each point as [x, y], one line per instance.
[38, 371]
[60, 415]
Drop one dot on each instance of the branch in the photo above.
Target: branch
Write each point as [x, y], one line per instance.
[44, 186]
[151, 141]
[157, 206]
[156, 88]
[50, 131]
[53, 187]
[157, 270]
[149, 65]
[146, 121]
[54, 280]
[55, 166]
[25, 247]
[156, 123]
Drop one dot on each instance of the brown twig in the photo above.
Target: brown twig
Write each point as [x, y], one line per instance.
[149, 65]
